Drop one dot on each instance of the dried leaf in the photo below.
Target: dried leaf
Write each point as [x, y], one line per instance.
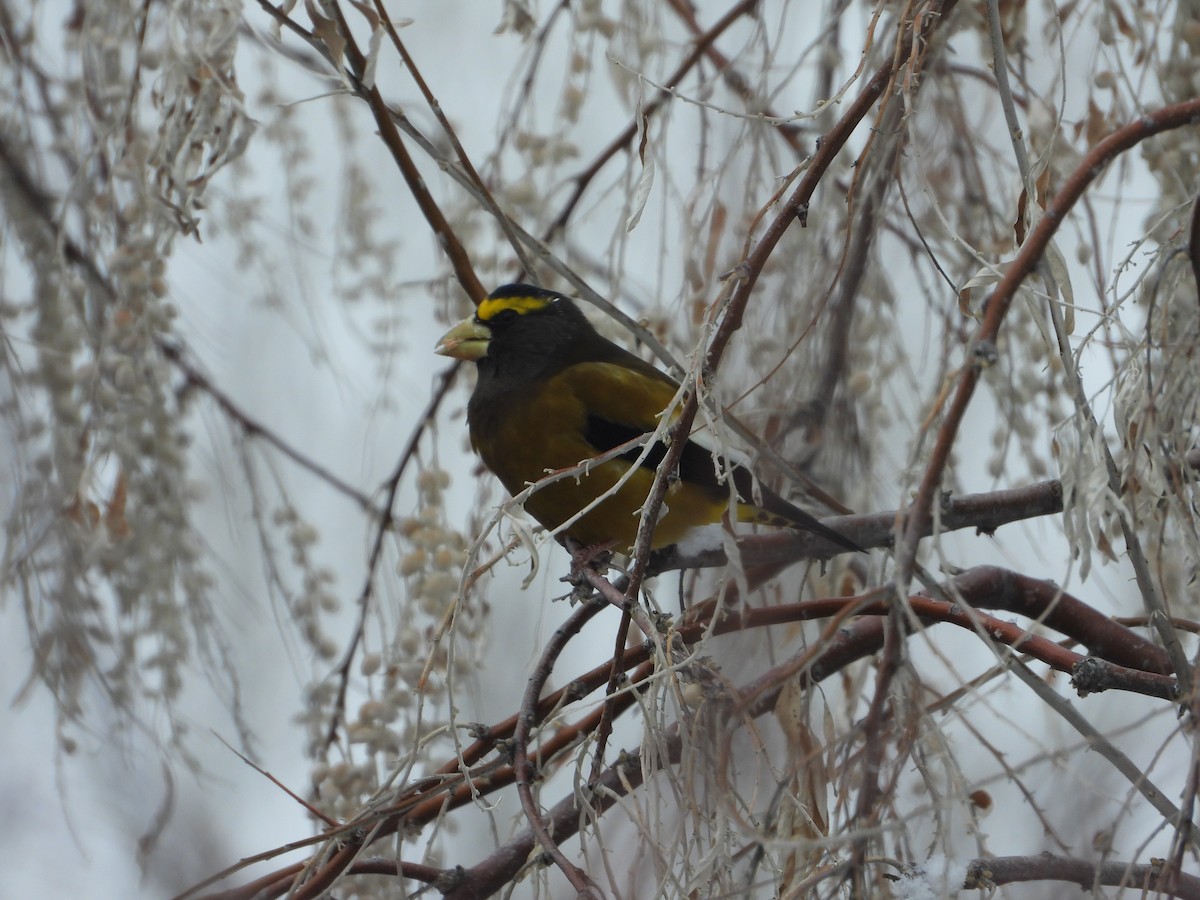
[811, 779]
[985, 277]
[1019, 221]
[804, 819]
[1042, 183]
[368, 13]
[1123, 25]
[964, 304]
[377, 33]
[84, 513]
[641, 193]
[372, 60]
[716, 230]
[1097, 124]
[516, 18]
[114, 517]
[1062, 280]
[326, 31]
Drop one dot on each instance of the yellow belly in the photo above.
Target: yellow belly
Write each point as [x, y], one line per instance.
[510, 453]
[616, 517]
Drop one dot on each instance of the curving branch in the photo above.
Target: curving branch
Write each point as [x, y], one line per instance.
[983, 512]
[1119, 659]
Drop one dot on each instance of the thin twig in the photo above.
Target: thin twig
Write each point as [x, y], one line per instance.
[1098, 742]
[985, 874]
[737, 82]
[983, 512]
[740, 286]
[584, 178]
[842, 643]
[464, 160]
[392, 487]
[524, 768]
[997, 305]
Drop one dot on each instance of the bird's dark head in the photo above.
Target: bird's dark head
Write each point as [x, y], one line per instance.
[518, 329]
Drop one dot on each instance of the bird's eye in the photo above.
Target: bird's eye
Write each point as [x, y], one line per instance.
[505, 315]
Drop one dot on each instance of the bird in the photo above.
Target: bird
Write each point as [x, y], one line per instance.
[553, 392]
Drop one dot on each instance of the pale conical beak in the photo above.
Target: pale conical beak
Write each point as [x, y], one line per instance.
[466, 340]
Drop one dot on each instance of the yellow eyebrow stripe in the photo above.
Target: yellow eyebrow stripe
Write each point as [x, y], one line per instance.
[491, 307]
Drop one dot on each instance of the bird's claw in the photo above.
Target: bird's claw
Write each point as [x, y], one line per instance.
[588, 556]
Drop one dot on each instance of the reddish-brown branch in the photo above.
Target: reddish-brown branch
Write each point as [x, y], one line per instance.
[1121, 660]
[564, 820]
[997, 305]
[445, 236]
[796, 206]
[991, 587]
[463, 159]
[748, 271]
